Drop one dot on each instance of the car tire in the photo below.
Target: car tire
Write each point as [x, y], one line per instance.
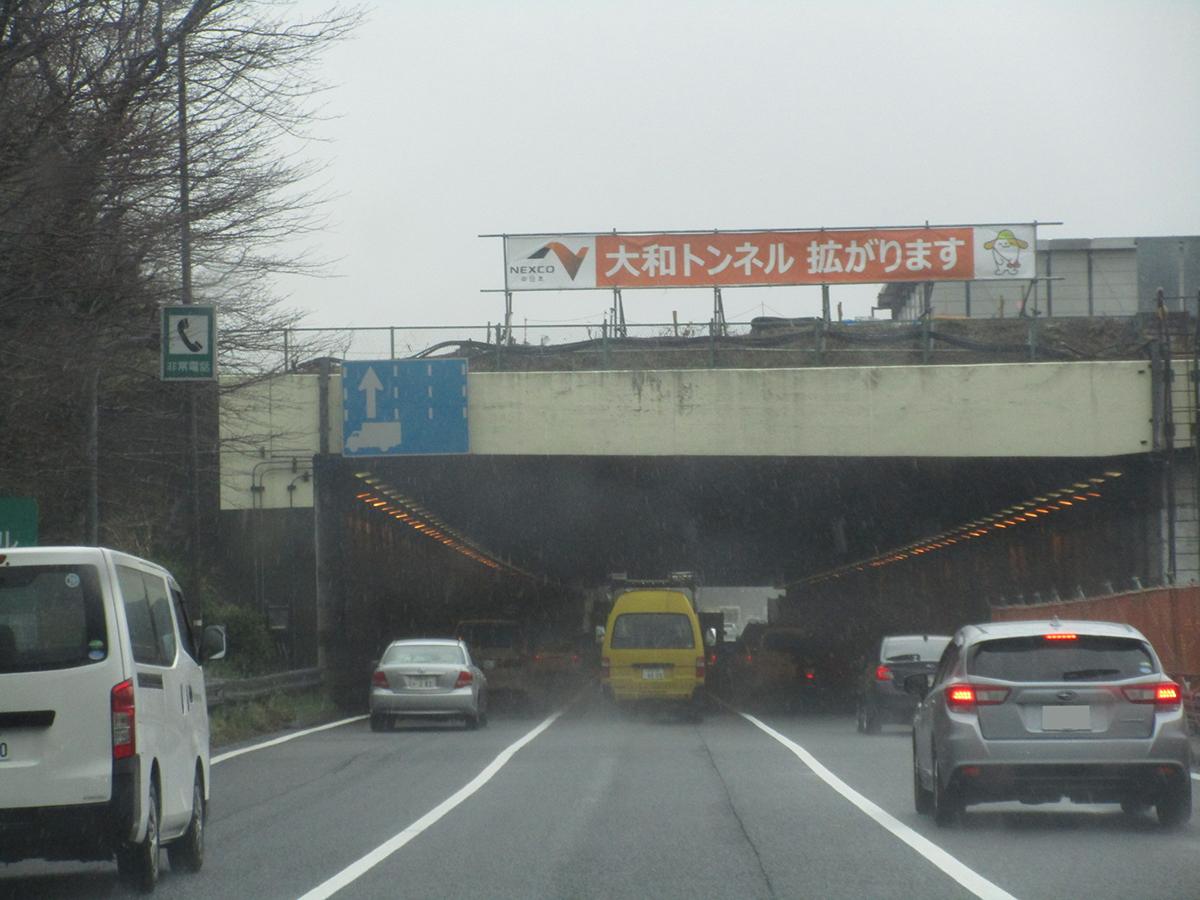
[860, 719]
[137, 864]
[922, 796]
[472, 722]
[379, 722]
[946, 803]
[870, 719]
[187, 853]
[1174, 806]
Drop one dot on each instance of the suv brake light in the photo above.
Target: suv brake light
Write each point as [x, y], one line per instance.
[1166, 694]
[965, 697]
[883, 673]
[124, 737]
[464, 679]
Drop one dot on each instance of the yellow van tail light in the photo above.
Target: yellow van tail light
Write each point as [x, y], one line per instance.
[700, 668]
[605, 668]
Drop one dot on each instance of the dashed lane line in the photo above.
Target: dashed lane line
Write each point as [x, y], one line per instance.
[967, 877]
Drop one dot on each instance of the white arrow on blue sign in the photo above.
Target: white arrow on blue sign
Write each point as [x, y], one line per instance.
[410, 406]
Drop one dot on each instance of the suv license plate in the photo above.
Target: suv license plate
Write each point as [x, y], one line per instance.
[1066, 718]
[654, 674]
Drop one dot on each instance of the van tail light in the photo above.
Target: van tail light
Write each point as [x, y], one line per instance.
[700, 668]
[379, 679]
[1166, 695]
[965, 697]
[124, 736]
[605, 667]
[810, 674]
[883, 673]
[464, 679]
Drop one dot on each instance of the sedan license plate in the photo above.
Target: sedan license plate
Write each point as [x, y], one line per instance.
[654, 674]
[422, 681]
[1066, 718]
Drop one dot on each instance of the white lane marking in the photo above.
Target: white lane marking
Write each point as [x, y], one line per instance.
[968, 878]
[357, 869]
[221, 757]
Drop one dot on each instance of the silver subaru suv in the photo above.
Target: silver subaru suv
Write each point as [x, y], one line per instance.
[1039, 711]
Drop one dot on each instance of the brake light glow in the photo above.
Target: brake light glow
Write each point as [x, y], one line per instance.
[124, 737]
[1061, 636]
[965, 697]
[883, 673]
[464, 679]
[379, 679]
[1165, 695]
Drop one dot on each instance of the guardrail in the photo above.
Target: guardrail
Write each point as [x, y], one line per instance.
[239, 690]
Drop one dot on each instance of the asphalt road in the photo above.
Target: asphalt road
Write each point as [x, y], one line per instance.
[601, 804]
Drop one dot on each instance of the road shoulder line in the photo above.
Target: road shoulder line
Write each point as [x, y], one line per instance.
[967, 877]
[283, 739]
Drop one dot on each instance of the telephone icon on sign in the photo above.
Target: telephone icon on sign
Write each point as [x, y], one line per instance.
[182, 328]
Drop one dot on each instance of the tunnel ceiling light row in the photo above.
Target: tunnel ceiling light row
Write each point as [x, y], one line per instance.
[383, 498]
[1032, 510]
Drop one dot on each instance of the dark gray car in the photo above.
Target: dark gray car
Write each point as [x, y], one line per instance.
[880, 695]
[1040, 711]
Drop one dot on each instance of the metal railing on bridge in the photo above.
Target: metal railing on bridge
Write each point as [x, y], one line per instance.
[758, 343]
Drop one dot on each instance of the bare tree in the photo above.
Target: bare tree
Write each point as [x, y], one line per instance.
[90, 224]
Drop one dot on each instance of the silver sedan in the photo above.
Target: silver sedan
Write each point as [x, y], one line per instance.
[428, 678]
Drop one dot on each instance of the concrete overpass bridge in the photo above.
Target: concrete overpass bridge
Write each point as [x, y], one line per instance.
[880, 496]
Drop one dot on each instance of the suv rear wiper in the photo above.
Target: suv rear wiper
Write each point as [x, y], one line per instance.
[905, 657]
[1079, 674]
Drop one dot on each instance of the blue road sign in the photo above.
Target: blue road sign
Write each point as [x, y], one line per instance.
[397, 407]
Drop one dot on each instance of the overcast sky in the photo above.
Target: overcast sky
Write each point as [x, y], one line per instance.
[458, 118]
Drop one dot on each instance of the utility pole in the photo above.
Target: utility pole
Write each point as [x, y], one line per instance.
[185, 295]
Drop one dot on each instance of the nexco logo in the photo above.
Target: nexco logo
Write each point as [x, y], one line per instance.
[569, 260]
[532, 270]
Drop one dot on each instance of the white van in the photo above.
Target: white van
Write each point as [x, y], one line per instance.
[103, 719]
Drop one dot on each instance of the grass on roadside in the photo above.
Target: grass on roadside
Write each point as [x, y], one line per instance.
[231, 723]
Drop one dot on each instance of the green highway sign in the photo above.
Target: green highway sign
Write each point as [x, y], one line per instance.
[18, 522]
[189, 343]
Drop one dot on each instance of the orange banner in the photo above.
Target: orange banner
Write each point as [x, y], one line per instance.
[784, 257]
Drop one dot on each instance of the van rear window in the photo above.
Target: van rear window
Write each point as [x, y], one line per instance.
[652, 631]
[51, 617]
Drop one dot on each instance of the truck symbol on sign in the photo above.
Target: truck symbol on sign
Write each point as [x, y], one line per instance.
[380, 436]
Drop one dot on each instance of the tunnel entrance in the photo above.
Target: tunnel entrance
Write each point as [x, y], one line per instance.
[412, 545]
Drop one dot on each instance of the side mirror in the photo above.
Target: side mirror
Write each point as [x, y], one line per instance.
[710, 637]
[213, 643]
[918, 685]
[599, 634]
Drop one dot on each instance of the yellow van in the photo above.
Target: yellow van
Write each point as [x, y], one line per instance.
[653, 650]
